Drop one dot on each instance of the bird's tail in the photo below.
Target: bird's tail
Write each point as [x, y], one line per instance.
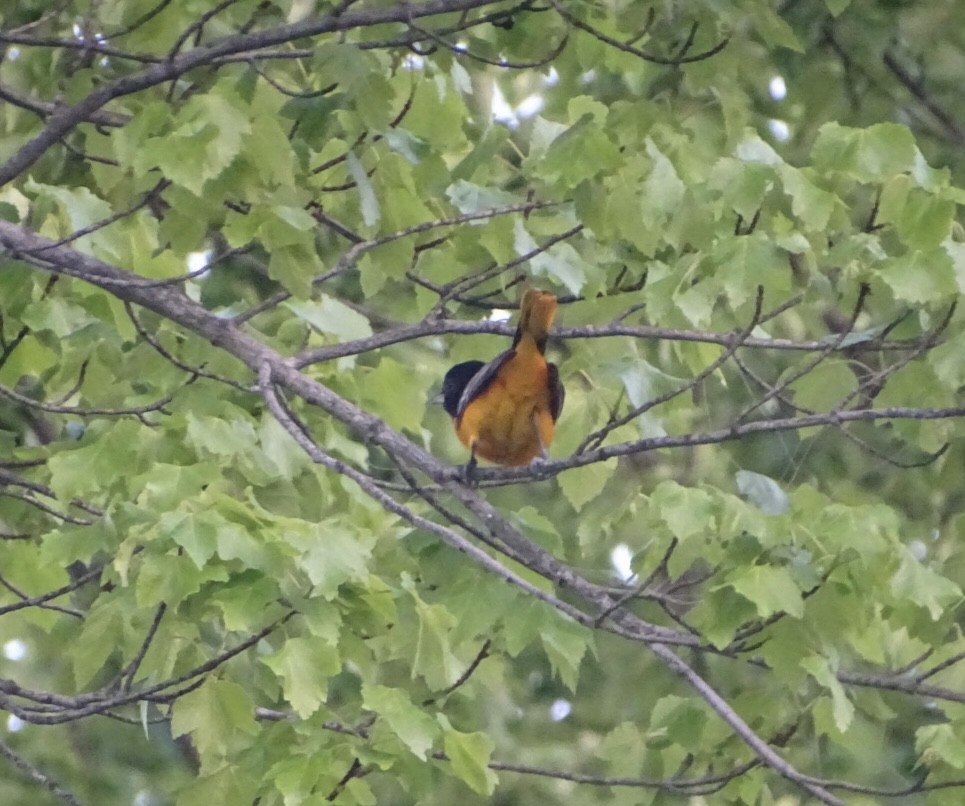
[535, 317]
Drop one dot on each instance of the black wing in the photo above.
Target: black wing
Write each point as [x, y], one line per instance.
[455, 383]
[479, 382]
[557, 392]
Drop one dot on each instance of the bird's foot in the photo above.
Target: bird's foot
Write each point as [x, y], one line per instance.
[469, 473]
[538, 466]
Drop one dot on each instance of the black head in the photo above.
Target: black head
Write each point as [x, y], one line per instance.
[455, 382]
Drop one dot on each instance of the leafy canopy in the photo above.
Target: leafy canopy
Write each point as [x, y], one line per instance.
[240, 245]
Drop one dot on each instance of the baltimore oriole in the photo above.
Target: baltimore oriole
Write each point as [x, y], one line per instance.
[505, 411]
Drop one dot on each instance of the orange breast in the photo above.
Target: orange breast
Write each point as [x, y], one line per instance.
[510, 422]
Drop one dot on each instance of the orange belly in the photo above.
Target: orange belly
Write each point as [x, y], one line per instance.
[510, 422]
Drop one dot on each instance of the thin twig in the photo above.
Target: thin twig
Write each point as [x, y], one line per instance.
[596, 438]
[674, 61]
[127, 675]
[36, 775]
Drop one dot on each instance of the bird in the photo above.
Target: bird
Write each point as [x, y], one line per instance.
[505, 411]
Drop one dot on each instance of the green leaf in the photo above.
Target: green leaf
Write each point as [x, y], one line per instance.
[97, 466]
[294, 267]
[686, 511]
[296, 774]
[305, 665]
[785, 649]
[771, 589]
[809, 203]
[471, 619]
[433, 658]
[391, 393]
[622, 748]
[697, 303]
[331, 316]
[539, 528]
[561, 262]
[469, 754]
[213, 715]
[194, 533]
[681, 719]
[763, 492]
[565, 642]
[581, 485]
[940, 743]
[470, 198]
[874, 154]
[368, 202]
[164, 486]
[743, 184]
[825, 386]
[919, 277]
[82, 208]
[948, 361]
[374, 99]
[236, 542]
[750, 261]
[774, 30]
[925, 221]
[524, 627]
[663, 189]
[245, 599]
[923, 586]
[720, 612]
[59, 316]
[359, 793]
[479, 159]
[643, 382]
[230, 784]
[753, 149]
[267, 146]
[417, 730]
[171, 579]
[870, 530]
[837, 7]
[220, 436]
[99, 641]
[583, 105]
[280, 448]
[956, 253]
[332, 555]
[413, 148]
[581, 152]
[284, 225]
[842, 708]
[208, 135]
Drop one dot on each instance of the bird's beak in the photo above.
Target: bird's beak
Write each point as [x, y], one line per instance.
[436, 400]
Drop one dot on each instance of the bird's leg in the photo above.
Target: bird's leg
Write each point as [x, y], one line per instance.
[544, 455]
[469, 469]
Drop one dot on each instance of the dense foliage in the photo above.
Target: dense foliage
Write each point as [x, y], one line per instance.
[241, 243]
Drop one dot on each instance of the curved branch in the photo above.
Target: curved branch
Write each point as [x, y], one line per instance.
[82, 411]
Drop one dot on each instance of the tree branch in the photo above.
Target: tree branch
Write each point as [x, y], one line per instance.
[65, 118]
[36, 775]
